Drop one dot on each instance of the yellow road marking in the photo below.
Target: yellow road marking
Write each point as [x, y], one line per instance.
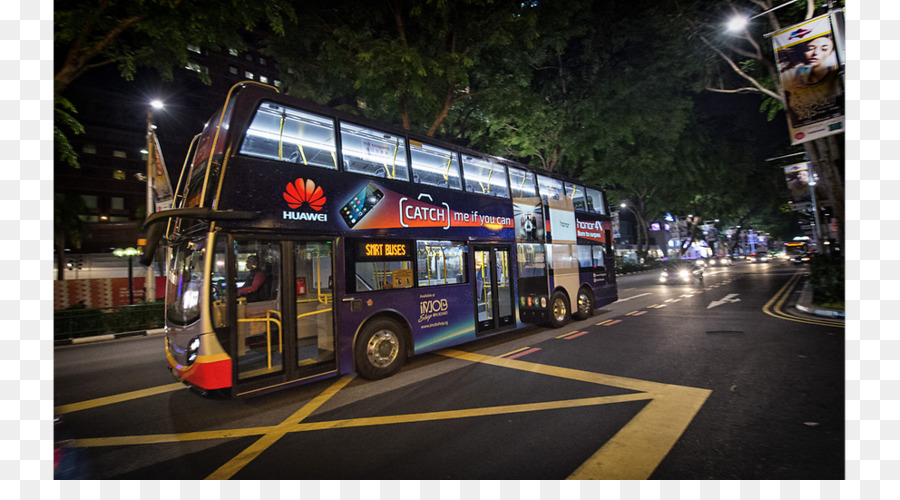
[603, 322]
[633, 452]
[118, 398]
[286, 427]
[774, 307]
[637, 449]
[567, 334]
[243, 458]
[510, 353]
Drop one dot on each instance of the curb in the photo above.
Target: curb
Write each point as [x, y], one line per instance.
[804, 303]
[111, 336]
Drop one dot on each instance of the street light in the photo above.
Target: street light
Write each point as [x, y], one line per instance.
[129, 252]
[150, 281]
[739, 22]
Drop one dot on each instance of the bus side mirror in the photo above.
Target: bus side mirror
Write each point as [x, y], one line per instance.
[154, 234]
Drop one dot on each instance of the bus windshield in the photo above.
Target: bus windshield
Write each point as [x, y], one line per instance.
[185, 282]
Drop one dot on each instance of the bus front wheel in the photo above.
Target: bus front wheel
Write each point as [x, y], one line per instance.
[380, 349]
[585, 307]
[559, 310]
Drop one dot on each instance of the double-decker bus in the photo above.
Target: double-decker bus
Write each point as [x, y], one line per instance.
[306, 243]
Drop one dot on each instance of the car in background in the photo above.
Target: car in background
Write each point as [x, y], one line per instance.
[681, 273]
[803, 258]
[720, 260]
[759, 257]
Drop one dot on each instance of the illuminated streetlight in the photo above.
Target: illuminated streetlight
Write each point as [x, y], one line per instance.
[739, 22]
[150, 282]
[130, 253]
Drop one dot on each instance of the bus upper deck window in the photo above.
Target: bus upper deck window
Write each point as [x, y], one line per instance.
[372, 152]
[522, 183]
[290, 135]
[434, 166]
[485, 177]
[594, 201]
[576, 194]
[551, 189]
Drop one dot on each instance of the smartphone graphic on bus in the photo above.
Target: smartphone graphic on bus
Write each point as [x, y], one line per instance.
[361, 204]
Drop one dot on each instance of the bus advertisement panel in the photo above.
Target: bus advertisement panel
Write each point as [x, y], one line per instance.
[329, 201]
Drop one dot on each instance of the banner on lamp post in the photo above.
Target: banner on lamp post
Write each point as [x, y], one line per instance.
[797, 177]
[162, 186]
[811, 79]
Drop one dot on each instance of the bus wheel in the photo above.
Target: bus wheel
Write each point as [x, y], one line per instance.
[380, 349]
[585, 307]
[559, 310]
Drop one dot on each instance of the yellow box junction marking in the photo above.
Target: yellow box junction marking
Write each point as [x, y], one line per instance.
[118, 398]
[637, 449]
[237, 463]
[633, 452]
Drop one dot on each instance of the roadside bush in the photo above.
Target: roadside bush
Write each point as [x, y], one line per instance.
[827, 278]
[80, 321]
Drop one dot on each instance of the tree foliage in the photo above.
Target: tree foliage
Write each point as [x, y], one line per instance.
[406, 61]
[155, 34]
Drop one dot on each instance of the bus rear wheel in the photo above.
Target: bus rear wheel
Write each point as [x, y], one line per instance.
[559, 310]
[380, 349]
[585, 304]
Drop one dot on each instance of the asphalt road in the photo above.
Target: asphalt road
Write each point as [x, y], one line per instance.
[720, 381]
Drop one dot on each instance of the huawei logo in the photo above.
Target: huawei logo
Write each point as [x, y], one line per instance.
[304, 191]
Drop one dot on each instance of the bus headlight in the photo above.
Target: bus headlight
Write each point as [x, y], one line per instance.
[192, 350]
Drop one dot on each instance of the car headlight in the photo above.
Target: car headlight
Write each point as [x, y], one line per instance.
[684, 273]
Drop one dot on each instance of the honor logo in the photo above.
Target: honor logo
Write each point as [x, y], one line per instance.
[304, 193]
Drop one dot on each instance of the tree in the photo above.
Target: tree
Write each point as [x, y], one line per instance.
[150, 33]
[68, 228]
[409, 62]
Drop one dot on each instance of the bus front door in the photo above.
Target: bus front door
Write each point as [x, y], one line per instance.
[314, 291]
[493, 288]
[285, 328]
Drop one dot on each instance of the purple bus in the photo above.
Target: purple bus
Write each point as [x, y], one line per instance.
[305, 243]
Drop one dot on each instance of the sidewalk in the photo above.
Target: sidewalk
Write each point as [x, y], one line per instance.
[804, 303]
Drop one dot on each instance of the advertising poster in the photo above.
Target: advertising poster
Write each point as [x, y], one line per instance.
[797, 177]
[162, 186]
[811, 79]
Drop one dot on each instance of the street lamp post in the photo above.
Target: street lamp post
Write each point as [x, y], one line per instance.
[150, 281]
[129, 252]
